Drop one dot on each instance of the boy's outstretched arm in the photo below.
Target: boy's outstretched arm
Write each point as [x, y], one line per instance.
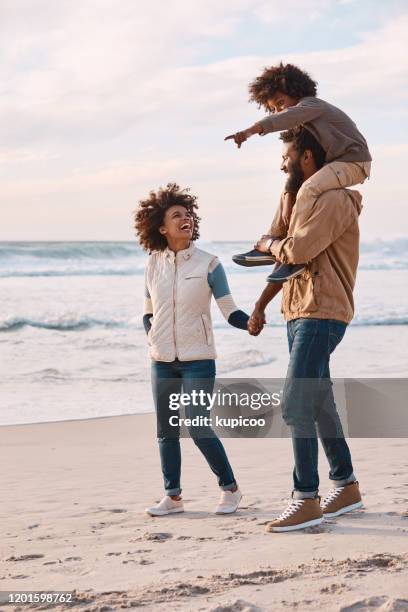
[241, 137]
[302, 112]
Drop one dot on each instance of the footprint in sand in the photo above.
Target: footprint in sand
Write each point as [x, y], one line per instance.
[322, 528]
[19, 577]
[102, 525]
[356, 514]
[334, 588]
[25, 558]
[139, 551]
[158, 536]
[382, 603]
[237, 606]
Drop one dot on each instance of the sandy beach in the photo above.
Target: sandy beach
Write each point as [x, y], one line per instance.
[72, 518]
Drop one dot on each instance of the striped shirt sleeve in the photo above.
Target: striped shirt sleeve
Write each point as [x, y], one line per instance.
[217, 280]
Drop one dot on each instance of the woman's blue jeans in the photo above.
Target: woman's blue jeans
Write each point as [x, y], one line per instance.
[186, 376]
[309, 401]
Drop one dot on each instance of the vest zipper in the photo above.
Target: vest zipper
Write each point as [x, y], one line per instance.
[174, 304]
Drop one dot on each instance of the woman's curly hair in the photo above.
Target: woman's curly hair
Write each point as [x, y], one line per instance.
[287, 78]
[150, 215]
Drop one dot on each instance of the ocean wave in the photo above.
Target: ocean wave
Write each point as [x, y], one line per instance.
[138, 270]
[243, 359]
[59, 324]
[69, 250]
[32, 259]
[52, 374]
[134, 271]
[82, 323]
[368, 321]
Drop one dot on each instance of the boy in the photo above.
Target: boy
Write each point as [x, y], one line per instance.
[289, 93]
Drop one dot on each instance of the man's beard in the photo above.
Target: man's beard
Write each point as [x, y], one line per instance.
[295, 178]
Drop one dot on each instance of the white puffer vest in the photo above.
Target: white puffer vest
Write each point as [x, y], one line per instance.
[181, 303]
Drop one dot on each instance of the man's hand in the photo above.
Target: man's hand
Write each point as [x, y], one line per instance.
[256, 322]
[263, 244]
[241, 137]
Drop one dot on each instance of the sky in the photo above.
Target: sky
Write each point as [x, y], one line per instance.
[102, 101]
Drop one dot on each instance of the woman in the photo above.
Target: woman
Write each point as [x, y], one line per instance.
[179, 282]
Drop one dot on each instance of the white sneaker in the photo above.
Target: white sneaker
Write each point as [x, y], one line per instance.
[229, 502]
[166, 506]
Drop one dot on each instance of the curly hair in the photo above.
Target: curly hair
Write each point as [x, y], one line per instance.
[150, 215]
[287, 78]
[304, 140]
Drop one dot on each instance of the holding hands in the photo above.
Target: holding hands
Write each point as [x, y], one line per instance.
[256, 322]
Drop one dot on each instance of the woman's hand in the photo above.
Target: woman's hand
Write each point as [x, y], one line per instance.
[256, 322]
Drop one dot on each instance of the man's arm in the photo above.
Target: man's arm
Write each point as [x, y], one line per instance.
[257, 319]
[326, 221]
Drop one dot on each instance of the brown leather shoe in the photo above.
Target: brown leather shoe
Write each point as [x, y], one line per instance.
[300, 513]
[342, 500]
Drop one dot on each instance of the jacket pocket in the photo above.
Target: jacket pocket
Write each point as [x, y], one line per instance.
[304, 292]
[206, 328]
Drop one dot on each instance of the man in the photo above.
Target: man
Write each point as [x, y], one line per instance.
[317, 305]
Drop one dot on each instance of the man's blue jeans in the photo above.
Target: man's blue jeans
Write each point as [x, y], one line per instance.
[171, 377]
[309, 401]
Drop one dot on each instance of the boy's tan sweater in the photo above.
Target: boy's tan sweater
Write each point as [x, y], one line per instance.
[334, 130]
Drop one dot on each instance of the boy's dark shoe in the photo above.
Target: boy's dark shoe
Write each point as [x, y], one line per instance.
[284, 272]
[254, 258]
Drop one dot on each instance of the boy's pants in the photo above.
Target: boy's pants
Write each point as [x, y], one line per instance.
[334, 175]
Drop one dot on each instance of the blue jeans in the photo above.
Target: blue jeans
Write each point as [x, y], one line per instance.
[309, 401]
[168, 378]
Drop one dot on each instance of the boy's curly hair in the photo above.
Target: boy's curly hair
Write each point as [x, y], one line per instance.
[287, 78]
[150, 215]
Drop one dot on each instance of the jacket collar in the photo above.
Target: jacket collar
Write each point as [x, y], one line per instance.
[185, 253]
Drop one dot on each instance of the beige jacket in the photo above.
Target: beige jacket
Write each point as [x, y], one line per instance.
[325, 235]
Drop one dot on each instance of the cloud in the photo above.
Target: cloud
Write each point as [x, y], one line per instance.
[92, 70]
[102, 98]
[20, 155]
